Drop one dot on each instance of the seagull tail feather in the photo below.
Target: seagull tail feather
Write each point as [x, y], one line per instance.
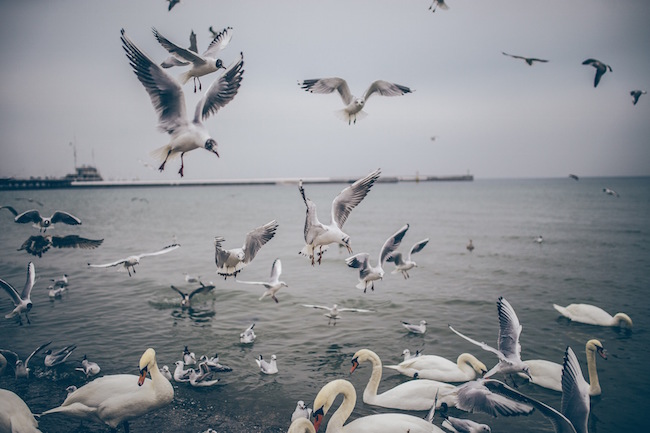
[160, 154]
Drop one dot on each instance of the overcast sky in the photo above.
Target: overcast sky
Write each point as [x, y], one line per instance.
[66, 78]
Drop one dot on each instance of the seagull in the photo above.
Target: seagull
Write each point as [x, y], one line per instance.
[214, 365]
[438, 3]
[574, 177]
[610, 191]
[41, 223]
[165, 372]
[201, 64]
[37, 245]
[168, 100]
[601, 68]
[575, 393]
[407, 354]
[191, 279]
[21, 369]
[231, 262]
[89, 368]
[60, 282]
[248, 336]
[10, 209]
[528, 60]
[539, 239]
[302, 411]
[187, 297]
[22, 301]
[175, 61]
[470, 246]
[203, 376]
[56, 293]
[53, 359]
[333, 312]
[267, 367]
[369, 274]
[416, 329]
[636, 94]
[180, 373]
[319, 235]
[130, 262]
[460, 425]
[508, 348]
[475, 396]
[172, 3]
[354, 105]
[402, 265]
[273, 285]
[189, 358]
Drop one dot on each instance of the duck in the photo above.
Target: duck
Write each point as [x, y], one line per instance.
[116, 399]
[548, 374]
[592, 315]
[413, 395]
[435, 367]
[15, 415]
[379, 423]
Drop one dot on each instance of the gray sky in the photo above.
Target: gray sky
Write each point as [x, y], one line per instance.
[65, 77]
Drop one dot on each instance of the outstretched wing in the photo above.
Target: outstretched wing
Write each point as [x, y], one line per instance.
[177, 290]
[474, 396]
[218, 43]
[13, 211]
[29, 281]
[29, 216]
[65, 217]
[319, 307]
[328, 85]
[38, 349]
[396, 258]
[392, 243]
[509, 329]
[258, 237]
[202, 289]
[165, 250]
[181, 53]
[575, 392]
[15, 297]
[74, 241]
[311, 219]
[164, 91]
[482, 345]
[221, 92]
[418, 246]
[276, 270]
[108, 265]
[384, 88]
[351, 196]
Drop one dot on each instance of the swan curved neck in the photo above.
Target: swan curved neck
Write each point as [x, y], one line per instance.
[464, 363]
[594, 384]
[343, 412]
[375, 377]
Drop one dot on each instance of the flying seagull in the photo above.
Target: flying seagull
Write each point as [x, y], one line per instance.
[172, 3]
[186, 298]
[353, 105]
[21, 369]
[44, 223]
[368, 274]
[130, 262]
[476, 396]
[169, 102]
[203, 64]
[601, 68]
[38, 244]
[319, 235]
[402, 265]
[172, 60]
[636, 94]
[334, 312]
[10, 209]
[22, 301]
[528, 60]
[231, 262]
[273, 285]
[438, 4]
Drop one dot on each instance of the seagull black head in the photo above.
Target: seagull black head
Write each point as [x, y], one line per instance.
[211, 145]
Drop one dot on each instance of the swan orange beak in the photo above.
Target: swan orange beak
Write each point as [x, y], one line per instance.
[318, 418]
[143, 375]
[355, 364]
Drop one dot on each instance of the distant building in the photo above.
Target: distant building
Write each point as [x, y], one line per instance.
[84, 173]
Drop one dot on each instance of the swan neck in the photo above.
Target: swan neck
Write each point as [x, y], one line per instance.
[375, 377]
[335, 424]
[594, 384]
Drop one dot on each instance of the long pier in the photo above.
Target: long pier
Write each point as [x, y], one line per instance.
[37, 183]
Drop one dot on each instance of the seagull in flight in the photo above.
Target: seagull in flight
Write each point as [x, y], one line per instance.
[172, 60]
[402, 265]
[610, 191]
[168, 100]
[368, 274]
[44, 223]
[22, 301]
[10, 209]
[130, 262]
[601, 68]
[508, 348]
[319, 235]
[353, 105]
[186, 298]
[231, 262]
[38, 244]
[273, 285]
[478, 396]
[636, 94]
[438, 4]
[334, 312]
[529, 60]
[21, 369]
[203, 64]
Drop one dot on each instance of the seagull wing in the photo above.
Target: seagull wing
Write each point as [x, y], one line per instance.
[258, 237]
[575, 392]
[193, 46]
[354, 310]
[29, 281]
[108, 265]
[418, 246]
[38, 349]
[320, 307]
[164, 91]
[359, 261]
[474, 396]
[29, 216]
[221, 92]
[396, 258]
[384, 88]
[392, 243]
[165, 250]
[13, 211]
[15, 297]
[276, 270]
[181, 53]
[179, 291]
[351, 196]
[65, 217]
[202, 289]
[11, 357]
[218, 43]
[509, 330]
[480, 344]
[513, 56]
[328, 85]
[257, 283]
[74, 241]
[311, 219]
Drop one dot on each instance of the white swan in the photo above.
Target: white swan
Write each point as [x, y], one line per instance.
[301, 425]
[118, 398]
[438, 368]
[548, 374]
[592, 315]
[15, 416]
[413, 395]
[380, 423]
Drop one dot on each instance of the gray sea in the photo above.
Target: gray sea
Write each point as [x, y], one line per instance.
[595, 250]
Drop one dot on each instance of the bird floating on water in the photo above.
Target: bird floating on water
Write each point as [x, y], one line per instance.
[611, 192]
[593, 315]
[421, 328]
[267, 367]
[52, 359]
[248, 336]
[186, 297]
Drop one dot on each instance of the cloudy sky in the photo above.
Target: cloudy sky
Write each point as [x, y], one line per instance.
[65, 79]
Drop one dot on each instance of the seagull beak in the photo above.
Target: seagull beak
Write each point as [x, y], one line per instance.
[143, 375]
